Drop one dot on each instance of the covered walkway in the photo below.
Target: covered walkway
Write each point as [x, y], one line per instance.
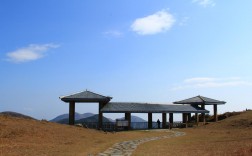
[193, 105]
[130, 107]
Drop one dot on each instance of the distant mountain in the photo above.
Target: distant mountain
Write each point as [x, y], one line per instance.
[78, 116]
[15, 114]
[135, 119]
[93, 118]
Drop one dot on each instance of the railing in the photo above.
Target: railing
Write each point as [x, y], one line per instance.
[111, 126]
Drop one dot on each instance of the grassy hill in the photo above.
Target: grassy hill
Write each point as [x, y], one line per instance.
[230, 136]
[23, 136]
[15, 114]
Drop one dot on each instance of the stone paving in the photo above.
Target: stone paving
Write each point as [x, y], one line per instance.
[127, 147]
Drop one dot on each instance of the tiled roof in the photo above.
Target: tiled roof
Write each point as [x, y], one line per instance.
[200, 100]
[123, 107]
[86, 96]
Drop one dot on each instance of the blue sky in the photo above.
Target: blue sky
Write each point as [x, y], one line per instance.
[142, 51]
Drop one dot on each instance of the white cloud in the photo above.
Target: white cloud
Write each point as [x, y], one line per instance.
[199, 80]
[113, 33]
[160, 21]
[205, 3]
[209, 82]
[29, 53]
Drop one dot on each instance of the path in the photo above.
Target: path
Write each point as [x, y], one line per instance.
[127, 147]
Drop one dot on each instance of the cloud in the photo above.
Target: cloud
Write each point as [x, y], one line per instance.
[205, 3]
[209, 82]
[30, 53]
[160, 21]
[113, 33]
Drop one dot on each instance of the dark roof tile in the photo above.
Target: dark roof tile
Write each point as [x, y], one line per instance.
[123, 107]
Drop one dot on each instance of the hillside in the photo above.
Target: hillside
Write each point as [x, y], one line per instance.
[15, 114]
[230, 136]
[233, 120]
[22, 136]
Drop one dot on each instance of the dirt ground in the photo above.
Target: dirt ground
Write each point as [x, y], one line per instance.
[232, 136]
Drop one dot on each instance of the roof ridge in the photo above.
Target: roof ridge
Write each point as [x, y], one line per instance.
[201, 98]
[83, 92]
[71, 94]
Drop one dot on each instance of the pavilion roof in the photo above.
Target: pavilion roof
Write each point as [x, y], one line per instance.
[85, 96]
[131, 107]
[198, 100]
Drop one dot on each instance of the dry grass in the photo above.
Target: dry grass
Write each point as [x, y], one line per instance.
[232, 136]
[30, 137]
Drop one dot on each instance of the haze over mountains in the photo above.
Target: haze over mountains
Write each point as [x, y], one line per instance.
[90, 117]
[78, 116]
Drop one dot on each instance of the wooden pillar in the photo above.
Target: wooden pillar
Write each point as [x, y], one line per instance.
[164, 120]
[150, 120]
[100, 115]
[128, 118]
[215, 112]
[197, 118]
[71, 112]
[189, 117]
[170, 120]
[203, 114]
[185, 119]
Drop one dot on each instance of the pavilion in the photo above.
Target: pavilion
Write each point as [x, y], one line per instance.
[85, 97]
[105, 106]
[201, 101]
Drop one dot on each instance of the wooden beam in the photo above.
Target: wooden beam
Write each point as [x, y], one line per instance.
[71, 112]
[164, 120]
[150, 120]
[215, 112]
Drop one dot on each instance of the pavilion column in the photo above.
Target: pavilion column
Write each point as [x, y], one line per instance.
[197, 118]
[170, 120]
[150, 120]
[128, 118]
[71, 112]
[101, 104]
[215, 112]
[164, 120]
[189, 117]
[185, 119]
[203, 114]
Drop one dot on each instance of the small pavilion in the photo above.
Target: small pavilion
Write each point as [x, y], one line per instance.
[201, 101]
[85, 97]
